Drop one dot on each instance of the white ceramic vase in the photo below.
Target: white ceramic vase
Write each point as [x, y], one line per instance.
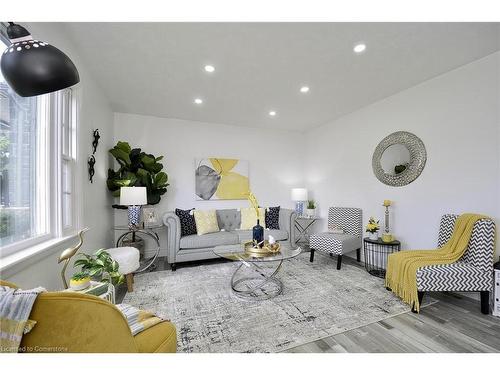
[373, 236]
[311, 212]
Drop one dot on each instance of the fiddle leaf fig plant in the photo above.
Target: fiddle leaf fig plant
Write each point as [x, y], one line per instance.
[137, 169]
[100, 266]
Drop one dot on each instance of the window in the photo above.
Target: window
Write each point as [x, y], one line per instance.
[67, 124]
[37, 167]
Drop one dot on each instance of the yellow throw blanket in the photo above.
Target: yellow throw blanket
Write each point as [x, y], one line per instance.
[401, 275]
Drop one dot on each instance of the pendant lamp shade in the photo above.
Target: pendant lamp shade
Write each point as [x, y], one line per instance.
[32, 67]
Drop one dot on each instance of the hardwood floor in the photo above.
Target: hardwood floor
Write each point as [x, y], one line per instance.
[453, 324]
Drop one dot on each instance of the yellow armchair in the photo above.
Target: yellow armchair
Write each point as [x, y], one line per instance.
[80, 323]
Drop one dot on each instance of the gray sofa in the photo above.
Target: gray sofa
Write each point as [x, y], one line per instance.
[197, 247]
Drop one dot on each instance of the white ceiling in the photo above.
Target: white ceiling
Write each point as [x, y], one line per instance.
[157, 68]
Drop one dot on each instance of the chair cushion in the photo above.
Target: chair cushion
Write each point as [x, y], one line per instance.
[206, 221]
[127, 258]
[208, 240]
[459, 276]
[160, 338]
[334, 243]
[246, 235]
[229, 219]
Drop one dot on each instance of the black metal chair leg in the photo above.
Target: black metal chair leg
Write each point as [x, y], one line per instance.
[485, 302]
[311, 257]
[358, 255]
[420, 297]
[339, 261]
[173, 267]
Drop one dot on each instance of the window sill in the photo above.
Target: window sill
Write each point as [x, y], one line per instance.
[12, 263]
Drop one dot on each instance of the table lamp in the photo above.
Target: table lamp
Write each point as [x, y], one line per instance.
[299, 196]
[134, 198]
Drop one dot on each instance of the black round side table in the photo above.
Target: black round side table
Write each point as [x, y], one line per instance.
[376, 252]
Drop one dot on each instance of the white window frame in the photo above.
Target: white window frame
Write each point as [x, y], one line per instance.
[65, 109]
[43, 171]
[49, 168]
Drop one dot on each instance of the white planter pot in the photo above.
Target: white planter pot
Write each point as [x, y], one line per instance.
[373, 236]
[79, 284]
[311, 212]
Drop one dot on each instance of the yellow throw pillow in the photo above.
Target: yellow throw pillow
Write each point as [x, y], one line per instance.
[206, 221]
[249, 217]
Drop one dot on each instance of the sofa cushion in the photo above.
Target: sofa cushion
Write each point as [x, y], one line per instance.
[273, 217]
[246, 235]
[208, 240]
[249, 217]
[188, 224]
[229, 219]
[206, 222]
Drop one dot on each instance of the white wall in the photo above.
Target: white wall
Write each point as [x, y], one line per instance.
[456, 116]
[94, 199]
[275, 159]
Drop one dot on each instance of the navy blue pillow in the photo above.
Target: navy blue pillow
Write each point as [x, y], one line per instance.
[188, 225]
[273, 218]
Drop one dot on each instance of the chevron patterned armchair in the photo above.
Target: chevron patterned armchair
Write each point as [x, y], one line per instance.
[472, 273]
[350, 221]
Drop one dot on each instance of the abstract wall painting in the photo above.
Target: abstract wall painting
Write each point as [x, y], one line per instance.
[217, 178]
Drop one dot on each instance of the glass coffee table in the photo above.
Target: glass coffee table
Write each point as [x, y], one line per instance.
[255, 277]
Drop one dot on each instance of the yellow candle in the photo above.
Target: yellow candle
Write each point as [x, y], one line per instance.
[387, 203]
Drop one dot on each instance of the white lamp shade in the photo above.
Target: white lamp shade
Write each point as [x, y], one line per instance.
[133, 196]
[299, 194]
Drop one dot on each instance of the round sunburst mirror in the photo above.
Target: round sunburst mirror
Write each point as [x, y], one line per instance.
[399, 159]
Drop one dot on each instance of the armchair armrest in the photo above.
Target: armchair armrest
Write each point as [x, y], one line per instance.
[287, 222]
[73, 322]
[173, 224]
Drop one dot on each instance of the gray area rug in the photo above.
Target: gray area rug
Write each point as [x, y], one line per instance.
[317, 301]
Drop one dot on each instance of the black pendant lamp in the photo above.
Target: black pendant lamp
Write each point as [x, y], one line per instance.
[32, 67]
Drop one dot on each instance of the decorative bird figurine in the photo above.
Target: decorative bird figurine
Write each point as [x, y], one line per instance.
[67, 254]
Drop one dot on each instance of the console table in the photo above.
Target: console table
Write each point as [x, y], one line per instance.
[132, 233]
[302, 226]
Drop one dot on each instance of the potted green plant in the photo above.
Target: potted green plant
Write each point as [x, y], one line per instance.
[137, 168]
[372, 228]
[79, 281]
[311, 208]
[100, 267]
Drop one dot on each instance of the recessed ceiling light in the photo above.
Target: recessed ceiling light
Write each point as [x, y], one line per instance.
[209, 68]
[304, 89]
[359, 48]
[272, 113]
[198, 101]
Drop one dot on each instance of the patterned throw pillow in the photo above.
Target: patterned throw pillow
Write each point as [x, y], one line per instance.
[206, 221]
[273, 218]
[188, 224]
[249, 218]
